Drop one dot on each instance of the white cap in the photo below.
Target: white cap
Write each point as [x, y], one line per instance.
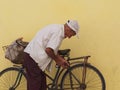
[73, 24]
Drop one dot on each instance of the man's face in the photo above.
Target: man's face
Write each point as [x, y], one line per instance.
[69, 32]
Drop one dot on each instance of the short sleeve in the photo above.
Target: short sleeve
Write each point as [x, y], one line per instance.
[55, 41]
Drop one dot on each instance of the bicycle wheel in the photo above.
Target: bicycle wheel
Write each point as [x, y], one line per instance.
[72, 79]
[12, 79]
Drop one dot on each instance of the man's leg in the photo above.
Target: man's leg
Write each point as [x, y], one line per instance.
[36, 79]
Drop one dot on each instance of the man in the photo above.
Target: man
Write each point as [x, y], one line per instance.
[42, 50]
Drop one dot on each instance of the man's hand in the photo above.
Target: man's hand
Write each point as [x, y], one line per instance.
[62, 62]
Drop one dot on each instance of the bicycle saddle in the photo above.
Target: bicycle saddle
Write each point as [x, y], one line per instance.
[64, 52]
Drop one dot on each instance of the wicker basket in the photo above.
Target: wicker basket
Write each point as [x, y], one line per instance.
[14, 51]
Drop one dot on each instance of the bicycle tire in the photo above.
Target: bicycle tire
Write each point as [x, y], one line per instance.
[8, 78]
[94, 79]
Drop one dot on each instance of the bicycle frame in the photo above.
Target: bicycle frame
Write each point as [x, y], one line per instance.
[54, 79]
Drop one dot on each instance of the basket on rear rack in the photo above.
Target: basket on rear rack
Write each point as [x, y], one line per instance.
[14, 51]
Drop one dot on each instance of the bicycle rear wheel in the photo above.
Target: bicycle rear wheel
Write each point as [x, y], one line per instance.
[12, 79]
[72, 79]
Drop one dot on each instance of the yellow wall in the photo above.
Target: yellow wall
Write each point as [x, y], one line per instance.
[99, 33]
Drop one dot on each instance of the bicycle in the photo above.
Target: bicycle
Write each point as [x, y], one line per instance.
[81, 75]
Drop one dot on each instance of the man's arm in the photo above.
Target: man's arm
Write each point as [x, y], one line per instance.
[58, 59]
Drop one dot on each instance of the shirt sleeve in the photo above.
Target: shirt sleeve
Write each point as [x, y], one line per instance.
[55, 41]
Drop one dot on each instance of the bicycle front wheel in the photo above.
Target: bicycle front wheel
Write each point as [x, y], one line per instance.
[12, 79]
[72, 79]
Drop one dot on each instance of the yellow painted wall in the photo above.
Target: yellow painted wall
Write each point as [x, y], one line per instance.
[99, 32]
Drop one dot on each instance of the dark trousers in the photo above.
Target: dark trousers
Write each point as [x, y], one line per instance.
[36, 79]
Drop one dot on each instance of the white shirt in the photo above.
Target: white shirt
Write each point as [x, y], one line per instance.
[50, 36]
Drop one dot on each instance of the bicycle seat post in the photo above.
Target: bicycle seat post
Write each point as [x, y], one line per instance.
[85, 60]
[84, 69]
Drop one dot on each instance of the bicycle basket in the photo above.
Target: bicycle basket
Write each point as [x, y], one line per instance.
[14, 51]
